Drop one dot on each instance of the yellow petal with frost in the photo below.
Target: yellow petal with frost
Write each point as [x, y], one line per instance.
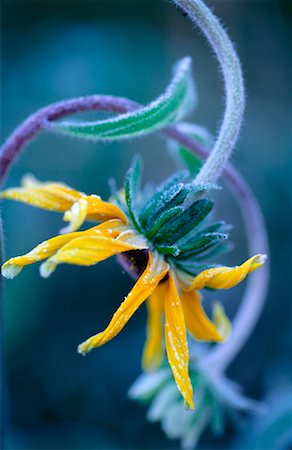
[101, 211]
[46, 249]
[75, 216]
[197, 321]
[87, 251]
[226, 277]
[48, 195]
[60, 197]
[155, 271]
[153, 350]
[176, 342]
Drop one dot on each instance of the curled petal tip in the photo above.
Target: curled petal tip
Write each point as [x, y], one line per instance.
[10, 270]
[261, 259]
[83, 348]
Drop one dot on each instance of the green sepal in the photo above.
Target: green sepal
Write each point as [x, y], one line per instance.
[222, 247]
[171, 250]
[216, 226]
[164, 194]
[176, 102]
[192, 267]
[202, 243]
[132, 191]
[162, 220]
[178, 227]
[182, 156]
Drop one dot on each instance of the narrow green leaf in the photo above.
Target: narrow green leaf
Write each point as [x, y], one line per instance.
[202, 243]
[132, 190]
[222, 247]
[164, 193]
[178, 227]
[163, 219]
[168, 108]
[167, 249]
[184, 157]
[192, 267]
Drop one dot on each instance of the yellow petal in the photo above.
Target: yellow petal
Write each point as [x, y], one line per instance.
[146, 284]
[59, 197]
[86, 251]
[226, 277]
[176, 342]
[75, 216]
[51, 196]
[100, 211]
[153, 349]
[198, 323]
[221, 321]
[13, 266]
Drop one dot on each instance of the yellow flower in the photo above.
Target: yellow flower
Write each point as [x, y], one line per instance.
[171, 294]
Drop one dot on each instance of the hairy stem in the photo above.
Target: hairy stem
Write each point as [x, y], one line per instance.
[40, 120]
[255, 293]
[229, 63]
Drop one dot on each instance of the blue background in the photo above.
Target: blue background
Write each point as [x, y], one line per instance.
[53, 50]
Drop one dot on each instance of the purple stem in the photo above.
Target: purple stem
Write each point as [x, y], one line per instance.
[39, 121]
[255, 293]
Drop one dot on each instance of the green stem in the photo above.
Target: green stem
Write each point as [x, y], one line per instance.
[201, 15]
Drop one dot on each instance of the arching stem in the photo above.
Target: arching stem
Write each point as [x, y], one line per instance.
[229, 63]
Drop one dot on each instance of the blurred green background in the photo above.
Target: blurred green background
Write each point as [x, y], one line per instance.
[53, 50]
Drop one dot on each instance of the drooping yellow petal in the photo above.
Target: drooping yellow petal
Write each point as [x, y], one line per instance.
[75, 216]
[91, 207]
[153, 349]
[13, 266]
[59, 197]
[198, 323]
[49, 195]
[176, 342]
[226, 277]
[101, 211]
[156, 269]
[221, 321]
[87, 251]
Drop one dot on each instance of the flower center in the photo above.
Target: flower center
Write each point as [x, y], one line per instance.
[134, 262]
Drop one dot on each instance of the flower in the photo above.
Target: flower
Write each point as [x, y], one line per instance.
[161, 239]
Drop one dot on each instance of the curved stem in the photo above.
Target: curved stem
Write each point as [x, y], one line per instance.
[201, 15]
[254, 296]
[39, 121]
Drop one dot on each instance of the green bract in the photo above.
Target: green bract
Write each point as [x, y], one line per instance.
[173, 105]
[173, 219]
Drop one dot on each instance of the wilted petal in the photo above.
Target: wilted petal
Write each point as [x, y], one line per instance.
[100, 211]
[198, 323]
[60, 197]
[48, 195]
[155, 271]
[153, 350]
[226, 277]
[86, 250]
[176, 341]
[48, 248]
[75, 216]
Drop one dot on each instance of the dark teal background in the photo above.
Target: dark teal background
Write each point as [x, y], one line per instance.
[53, 50]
